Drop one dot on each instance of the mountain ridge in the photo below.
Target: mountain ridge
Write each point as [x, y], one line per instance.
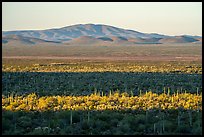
[100, 32]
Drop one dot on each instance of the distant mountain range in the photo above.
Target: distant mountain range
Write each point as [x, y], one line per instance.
[92, 34]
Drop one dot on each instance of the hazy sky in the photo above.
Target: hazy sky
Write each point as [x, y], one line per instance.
[171, 18]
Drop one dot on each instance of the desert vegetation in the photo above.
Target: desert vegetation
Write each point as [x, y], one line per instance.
[104, 96]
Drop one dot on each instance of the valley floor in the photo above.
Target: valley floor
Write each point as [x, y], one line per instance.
[50, 80]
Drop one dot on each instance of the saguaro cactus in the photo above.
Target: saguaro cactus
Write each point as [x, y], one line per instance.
[71, 118]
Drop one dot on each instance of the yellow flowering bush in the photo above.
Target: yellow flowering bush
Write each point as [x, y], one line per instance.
[116, 101]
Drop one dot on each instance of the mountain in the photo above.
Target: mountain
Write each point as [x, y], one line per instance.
[178, 39]
[16, 39]
[75, 31]
[84, 40]
[94, 33]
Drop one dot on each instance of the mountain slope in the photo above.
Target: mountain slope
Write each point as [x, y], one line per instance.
[94, 33]
[84, 40]
[178, 39]
[75, 31]
[16, 39]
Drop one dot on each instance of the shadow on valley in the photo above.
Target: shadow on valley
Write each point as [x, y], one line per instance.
[107, 122]
[75, 83]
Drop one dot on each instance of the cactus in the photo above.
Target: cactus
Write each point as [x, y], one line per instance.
[125, 87]
[164, 90]
[88, 116]
[168, 91]
[154, 128]
[146, 118]
[99, 93]
[71, 118]
[179, 120]
[163, 124]
[95, 91]
[198, 119]
[131, 93]
[172, 99]
[177, 92]
[26, 101]
[110, 93]
[190, 117]
[72, 85]
[14, 120]
[11, 97]
[140, 92]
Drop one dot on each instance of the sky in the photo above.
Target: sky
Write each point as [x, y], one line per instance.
[170, 18]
